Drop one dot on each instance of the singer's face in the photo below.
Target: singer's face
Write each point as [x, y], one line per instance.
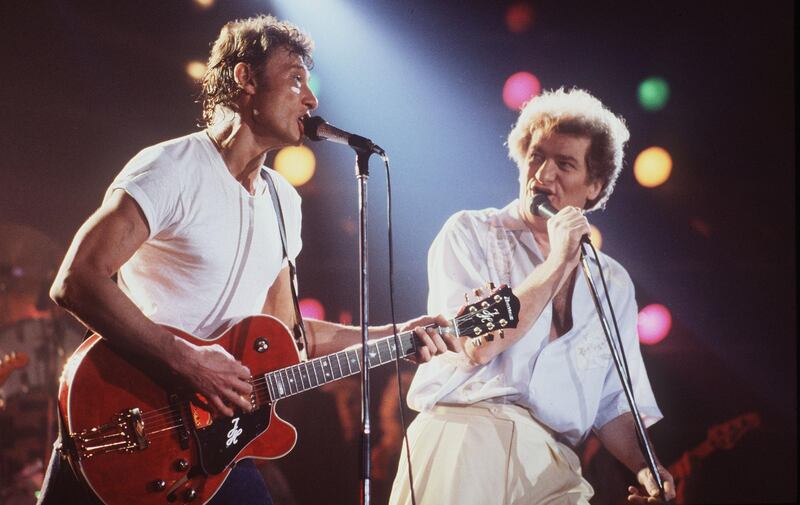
[281, 98]
[556, 165]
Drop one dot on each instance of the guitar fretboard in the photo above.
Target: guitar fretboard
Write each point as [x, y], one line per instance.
[319, 371]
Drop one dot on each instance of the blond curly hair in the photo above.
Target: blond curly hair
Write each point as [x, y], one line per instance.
[574, 112]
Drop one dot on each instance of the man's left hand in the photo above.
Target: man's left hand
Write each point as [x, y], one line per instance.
[436, 340]
[652, 494]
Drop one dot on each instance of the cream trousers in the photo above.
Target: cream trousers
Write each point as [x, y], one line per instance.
[487, 454]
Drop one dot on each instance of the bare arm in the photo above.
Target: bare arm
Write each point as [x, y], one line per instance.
[619, 437]
[83, 286]
[536, 292]
[325, 337]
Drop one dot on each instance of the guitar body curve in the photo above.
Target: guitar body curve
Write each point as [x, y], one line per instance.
[166, 450]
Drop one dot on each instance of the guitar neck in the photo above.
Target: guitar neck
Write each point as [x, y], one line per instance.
[320, 371]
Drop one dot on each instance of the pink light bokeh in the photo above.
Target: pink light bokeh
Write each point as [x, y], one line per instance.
[654, 324]
[519, 88]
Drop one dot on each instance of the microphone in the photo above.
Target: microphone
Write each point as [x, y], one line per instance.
[541, 206]
[316, 128]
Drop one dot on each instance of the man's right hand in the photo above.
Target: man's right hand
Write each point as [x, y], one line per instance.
[565, 230]
[215, 374]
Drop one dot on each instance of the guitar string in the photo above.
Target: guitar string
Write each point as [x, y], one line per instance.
[257, 383]
[173, 415]
[169, 415]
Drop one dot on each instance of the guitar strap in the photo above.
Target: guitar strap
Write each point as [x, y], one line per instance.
[299, 330]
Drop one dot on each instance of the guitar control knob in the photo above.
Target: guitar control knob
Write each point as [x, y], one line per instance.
[181, 465]
[189, 495]
[261, 344]
[158, 485]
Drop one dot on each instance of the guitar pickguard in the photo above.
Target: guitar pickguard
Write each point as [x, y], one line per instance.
[224, 439]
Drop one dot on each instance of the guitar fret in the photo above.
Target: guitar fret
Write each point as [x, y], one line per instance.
[346, 363]
[312, 375]
[335, 366]
[383, 350]
[317, 364]
[275, 387]
[326, 368]
[353, 361]
[298, 380]
[283, 388]
[304, 376]
[270, 390]
[374, 360]
[407, 344]
[289, 382]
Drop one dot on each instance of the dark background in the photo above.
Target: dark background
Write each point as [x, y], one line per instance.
[85, 85]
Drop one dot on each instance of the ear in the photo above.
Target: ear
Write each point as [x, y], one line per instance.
[245, 78]
[594, 189]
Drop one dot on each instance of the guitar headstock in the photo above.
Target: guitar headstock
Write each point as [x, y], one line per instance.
[11, 362]
[494, 313]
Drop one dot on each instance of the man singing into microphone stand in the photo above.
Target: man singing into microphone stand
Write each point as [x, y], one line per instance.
[499, 420]
[191, 227]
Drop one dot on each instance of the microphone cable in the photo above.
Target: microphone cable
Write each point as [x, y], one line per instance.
[394, 326]
[617, 335]
[642, 437]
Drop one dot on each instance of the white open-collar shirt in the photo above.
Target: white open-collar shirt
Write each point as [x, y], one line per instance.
[569, 384]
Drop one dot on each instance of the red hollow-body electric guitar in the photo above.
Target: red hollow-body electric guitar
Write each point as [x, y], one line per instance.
[135, 437]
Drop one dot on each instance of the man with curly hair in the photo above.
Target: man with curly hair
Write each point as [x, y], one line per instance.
[190, 227]
[499, 420]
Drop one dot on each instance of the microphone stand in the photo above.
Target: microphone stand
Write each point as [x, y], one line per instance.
[644, 442]
[362, 174]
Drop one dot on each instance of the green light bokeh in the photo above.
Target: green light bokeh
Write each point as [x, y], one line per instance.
[653, 93]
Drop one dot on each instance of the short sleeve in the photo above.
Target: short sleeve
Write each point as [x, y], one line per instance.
[155, 182]
[456, 264]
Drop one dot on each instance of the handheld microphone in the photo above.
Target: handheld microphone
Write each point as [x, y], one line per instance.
[541, 206]
[316, 128]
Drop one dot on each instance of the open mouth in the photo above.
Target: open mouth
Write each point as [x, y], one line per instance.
[535, 190]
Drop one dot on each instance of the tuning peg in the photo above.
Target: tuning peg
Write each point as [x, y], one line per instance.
[478, 292]
[466, 297]
[500, 333]
[490, 286]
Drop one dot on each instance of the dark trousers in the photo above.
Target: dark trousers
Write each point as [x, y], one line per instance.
[244, 486]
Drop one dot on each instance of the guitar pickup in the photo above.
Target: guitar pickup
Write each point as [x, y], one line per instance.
[183, 429]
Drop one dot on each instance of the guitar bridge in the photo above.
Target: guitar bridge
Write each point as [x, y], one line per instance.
[125, 434]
